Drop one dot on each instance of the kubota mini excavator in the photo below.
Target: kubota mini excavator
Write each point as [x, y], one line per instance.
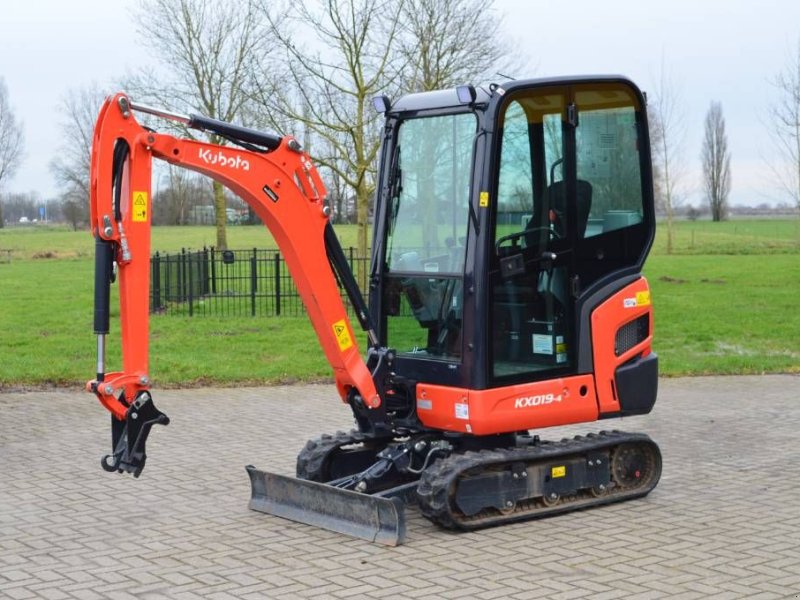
[505, 296]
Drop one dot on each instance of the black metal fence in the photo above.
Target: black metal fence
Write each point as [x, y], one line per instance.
[236, 282]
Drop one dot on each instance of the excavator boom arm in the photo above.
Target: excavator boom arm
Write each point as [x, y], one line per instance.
[282, 186]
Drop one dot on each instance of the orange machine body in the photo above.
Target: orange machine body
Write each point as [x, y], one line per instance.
[561, 401]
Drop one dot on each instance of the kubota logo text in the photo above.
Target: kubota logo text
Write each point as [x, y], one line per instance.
[541, 399]
[220, 158]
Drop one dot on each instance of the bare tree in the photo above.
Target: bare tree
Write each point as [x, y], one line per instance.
[21, 205]
[358, 49]
[444, 44]
[208, 49]
[330, 87]
[78, 109]
[668, 125]
[654, 125]
[716, 162]
[784, 124]
[180, 193]
[71, 167]
[74, 211]
[340, 198]
[11, 141]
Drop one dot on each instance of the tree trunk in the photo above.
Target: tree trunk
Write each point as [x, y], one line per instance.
[668, 197]
[669, 230]
[362, 219]
[220, 216]
[797, 152]
[426, 194]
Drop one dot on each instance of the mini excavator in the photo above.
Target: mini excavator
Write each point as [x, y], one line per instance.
[505, 296]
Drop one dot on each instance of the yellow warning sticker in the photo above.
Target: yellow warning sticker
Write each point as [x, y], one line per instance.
[643, 298]
[342, 335]
[484, 199]
[140, 207]
[556, 472]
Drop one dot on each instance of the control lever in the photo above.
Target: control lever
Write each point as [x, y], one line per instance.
[547, 258]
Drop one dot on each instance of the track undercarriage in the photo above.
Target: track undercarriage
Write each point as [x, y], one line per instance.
[493, 487]
[460, 485]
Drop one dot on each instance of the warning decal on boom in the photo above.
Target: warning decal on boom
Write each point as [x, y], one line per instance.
[342, 335]
[140, 207]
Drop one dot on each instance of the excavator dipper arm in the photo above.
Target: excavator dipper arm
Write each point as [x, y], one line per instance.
[276, 178]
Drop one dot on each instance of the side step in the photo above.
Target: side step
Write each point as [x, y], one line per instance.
[372, 518]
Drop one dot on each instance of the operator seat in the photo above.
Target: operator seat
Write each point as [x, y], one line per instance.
[553, 283]
[556, 192]
[553, 214]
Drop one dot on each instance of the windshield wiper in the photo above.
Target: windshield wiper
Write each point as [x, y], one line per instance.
[395, 185]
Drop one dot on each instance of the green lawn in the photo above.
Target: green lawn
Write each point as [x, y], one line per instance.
[46, 336]
[751, 236]
[60, 242]
[728, 309]
[726, 314]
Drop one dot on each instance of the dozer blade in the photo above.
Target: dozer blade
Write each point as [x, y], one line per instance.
[371, 518]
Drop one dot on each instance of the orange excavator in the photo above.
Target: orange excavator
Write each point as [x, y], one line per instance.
[511, 225]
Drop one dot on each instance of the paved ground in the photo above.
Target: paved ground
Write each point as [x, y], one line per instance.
[723, 523]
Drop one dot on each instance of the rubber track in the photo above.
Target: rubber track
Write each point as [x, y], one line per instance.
[312, 459]
[437, 484]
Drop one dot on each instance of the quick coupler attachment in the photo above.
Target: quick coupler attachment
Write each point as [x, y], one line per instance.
[128, 437]
[372, 518]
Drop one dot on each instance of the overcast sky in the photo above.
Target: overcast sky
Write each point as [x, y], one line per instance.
[713, 50]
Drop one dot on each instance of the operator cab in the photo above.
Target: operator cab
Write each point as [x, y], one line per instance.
[502, 221]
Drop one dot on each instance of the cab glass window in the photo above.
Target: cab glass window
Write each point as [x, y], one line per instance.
[426, 241]
[608, 158]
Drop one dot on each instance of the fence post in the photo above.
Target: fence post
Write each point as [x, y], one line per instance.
[182, 276]
[189, 280]
[204, 273]
[253, 282]
[156, 287]
[167, 278]
[277, 284]
[213, 272]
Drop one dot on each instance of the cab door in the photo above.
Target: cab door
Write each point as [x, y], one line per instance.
[531, 303]
[572, 217]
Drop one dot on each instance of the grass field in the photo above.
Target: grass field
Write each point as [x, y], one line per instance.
[726, 302]
[752, 236]
[60, 242]
[726, 314]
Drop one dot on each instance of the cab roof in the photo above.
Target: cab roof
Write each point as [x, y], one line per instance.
[433, 100]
